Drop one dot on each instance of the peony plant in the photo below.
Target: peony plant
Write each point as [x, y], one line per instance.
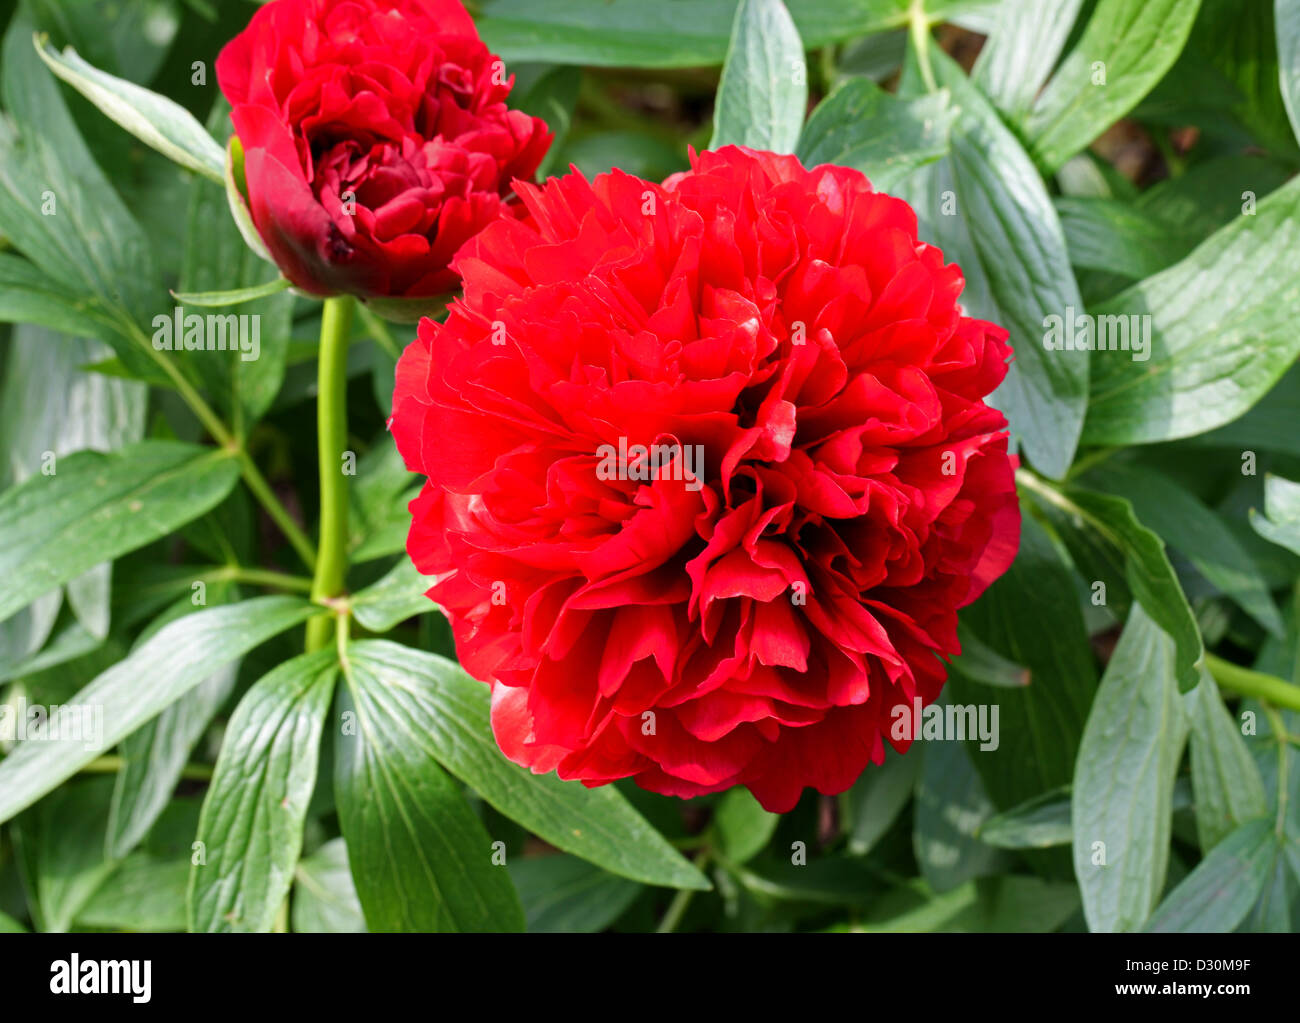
[604, 466]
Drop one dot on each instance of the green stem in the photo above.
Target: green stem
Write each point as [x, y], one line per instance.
[681, 901]
[222, 435]
[112, 764]
[262, 577]
[1247, 682]
[201, 409]
[331, 441]
[920, 28]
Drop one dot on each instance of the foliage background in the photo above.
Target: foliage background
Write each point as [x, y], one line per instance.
[1167, 190]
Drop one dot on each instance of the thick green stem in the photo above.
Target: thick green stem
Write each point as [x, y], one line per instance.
[331, 441]
[1247, 682]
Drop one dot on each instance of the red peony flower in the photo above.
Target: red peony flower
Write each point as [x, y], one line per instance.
[710, 474]
[376, 140]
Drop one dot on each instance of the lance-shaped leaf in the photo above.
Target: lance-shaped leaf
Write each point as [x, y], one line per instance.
[764, 87]
[859, 125]
[1229, 789]
[1198, 533]
[98, 506]
[448, 714]
[59, 209]
[138, 688]
[251, 826]
[399, 595]
[1025, 42]
[1126, 545]
[155, 120]
[1125, 50]
[1216, 896]
[693, 33]
[1221, 332]
[324, 897]
[987, 208]
[1124, 780]
[1287, 26]
[420, 857]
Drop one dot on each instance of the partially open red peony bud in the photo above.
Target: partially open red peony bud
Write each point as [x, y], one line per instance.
[376, 140]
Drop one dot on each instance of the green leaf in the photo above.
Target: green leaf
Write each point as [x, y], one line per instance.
[566, 895]
[399, 595]
[1287, 26]
[154, 756]
[29, 295]
[679, 33]
[1122, 797]
[324, 897]
[147, 890]
[420, 858]
[98, 506]
[1280, 522]
[1038, 823]
[449, 712]
[1026, 40]
[980, 663]
[252, 821]
[154, 759]
[950, 806]
[145, 893]
[1271, 913]
[8, 925]
[1218, 894]
[138, 688]
[1221, 333]
[58, 208]
[743, 826]
[1030, 616]
[1135, 42]
[237, 296]
[61, 868]
[1208, 195]
[764, 88]
[1202, 537]
[1147, 572]
[1227, 81]
[552, 98]
[987, 208]
[878, 797]
[71, 410]
[155, 120]
[859, 125]
[1025, 905]
[1229, 790]
[1120, 238]
[378, 515]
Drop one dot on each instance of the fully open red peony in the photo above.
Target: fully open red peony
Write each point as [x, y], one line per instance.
[709, 473]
